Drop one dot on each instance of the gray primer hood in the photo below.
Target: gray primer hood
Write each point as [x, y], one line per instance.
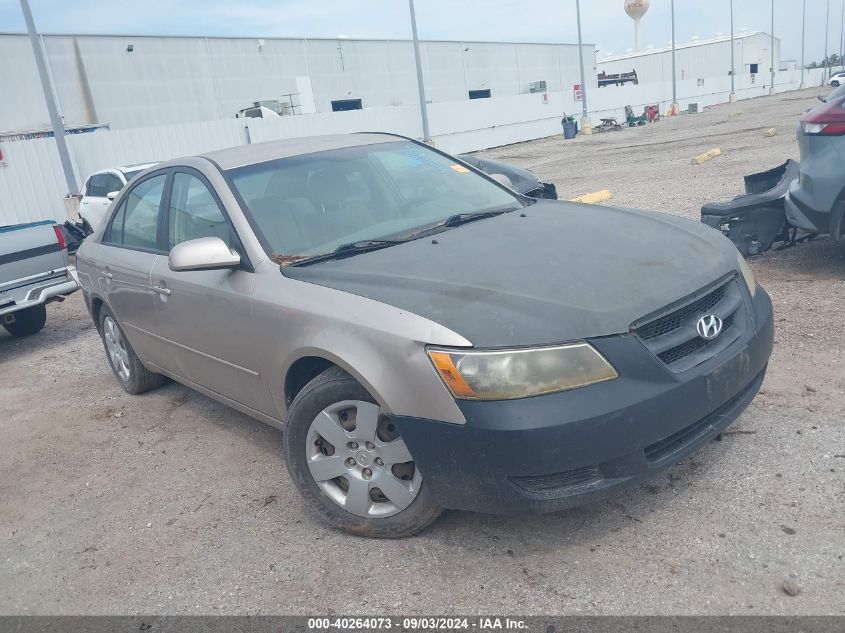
[564, 272]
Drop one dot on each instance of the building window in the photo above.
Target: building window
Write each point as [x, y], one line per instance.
[342, 105]
[479, 94]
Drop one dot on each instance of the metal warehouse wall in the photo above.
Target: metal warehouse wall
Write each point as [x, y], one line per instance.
[707, 59]
[32, 184]
[167, 80]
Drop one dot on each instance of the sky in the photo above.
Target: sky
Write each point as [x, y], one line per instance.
[604, 22]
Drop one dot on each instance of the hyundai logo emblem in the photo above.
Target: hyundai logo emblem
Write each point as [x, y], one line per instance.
[709, 327]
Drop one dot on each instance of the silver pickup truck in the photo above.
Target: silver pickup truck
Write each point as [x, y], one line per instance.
[34, 271]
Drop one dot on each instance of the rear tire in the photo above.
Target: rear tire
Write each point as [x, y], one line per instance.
[27, 321]
[131, 374]
[339, 450]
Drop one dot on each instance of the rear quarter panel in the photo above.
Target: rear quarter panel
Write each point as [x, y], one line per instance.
[822, 171]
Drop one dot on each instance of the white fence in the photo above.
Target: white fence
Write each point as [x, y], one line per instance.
[32, 184]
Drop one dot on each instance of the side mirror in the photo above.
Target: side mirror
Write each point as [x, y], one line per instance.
[502, 180]
[204, 253]
[111, 195]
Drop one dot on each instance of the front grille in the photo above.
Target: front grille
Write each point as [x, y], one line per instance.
[672, 336]
[690, 347]
[673, 321]
[560, 483]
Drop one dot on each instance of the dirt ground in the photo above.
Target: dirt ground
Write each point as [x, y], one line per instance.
[171, 503]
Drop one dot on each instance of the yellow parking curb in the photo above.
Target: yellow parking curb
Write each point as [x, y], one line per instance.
[703, 158]
[594, 198]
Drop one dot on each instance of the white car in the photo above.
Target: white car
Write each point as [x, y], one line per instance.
[101, 188]
[837, 79]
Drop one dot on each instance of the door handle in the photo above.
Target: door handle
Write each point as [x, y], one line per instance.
[162, 290]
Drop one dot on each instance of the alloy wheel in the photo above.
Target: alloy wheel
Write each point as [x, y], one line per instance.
[116, 347]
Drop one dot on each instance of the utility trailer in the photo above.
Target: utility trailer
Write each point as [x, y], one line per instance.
[617, 79]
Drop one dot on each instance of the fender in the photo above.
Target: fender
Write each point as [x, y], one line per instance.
[382, 346]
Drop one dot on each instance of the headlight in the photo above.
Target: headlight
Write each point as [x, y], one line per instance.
[745, 269]
[509, 374]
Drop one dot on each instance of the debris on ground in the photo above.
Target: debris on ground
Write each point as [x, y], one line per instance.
[706, 156]
[790, 587]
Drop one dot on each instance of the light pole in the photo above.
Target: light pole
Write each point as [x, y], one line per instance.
[826, 36]
[420, 84]
[586, 126]
[732, 97]
[803, 25]
[842, 36]
[674, 73]
[50, 99]
[772, 46]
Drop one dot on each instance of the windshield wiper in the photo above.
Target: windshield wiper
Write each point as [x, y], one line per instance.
[457, 220]
[352, 248]
[464, 218]
[364, 245]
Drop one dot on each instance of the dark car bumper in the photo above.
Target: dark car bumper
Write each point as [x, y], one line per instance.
[557, 451]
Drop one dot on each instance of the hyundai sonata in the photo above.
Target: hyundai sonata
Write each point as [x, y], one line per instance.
[426, 337]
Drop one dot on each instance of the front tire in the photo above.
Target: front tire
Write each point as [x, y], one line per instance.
[350, 464]
[28, 321]
[834, 84]
[131, 374]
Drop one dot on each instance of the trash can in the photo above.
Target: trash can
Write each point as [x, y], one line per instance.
[570, 129]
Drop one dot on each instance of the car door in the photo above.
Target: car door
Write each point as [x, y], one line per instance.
[130, 246]
[206, 315]
[95, 202]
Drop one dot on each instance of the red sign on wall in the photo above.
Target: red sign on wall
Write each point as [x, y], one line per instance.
[579, 92]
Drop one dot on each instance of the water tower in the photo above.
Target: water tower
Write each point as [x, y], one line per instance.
[636, 10]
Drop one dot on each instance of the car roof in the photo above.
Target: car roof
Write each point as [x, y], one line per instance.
[243, 155]
[136, 167]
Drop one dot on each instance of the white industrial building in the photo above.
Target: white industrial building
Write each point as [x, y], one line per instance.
[700, 59]
[142, 81]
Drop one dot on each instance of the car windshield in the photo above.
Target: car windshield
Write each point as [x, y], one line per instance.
[312, 204]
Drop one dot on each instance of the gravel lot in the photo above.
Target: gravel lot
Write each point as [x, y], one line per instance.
[171, 503]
